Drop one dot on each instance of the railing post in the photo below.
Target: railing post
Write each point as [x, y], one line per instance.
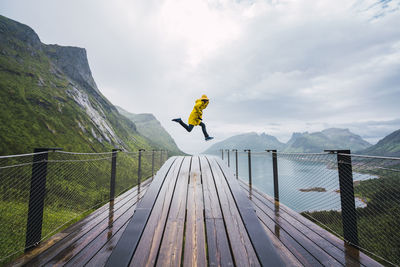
[152, 164]
[348, 205]
[275, 171]
[222, 151]
[229, 161]
[236, 158]
[161, 158]
[37, 194]
[140, 166]
[113, 173]
[249, 158]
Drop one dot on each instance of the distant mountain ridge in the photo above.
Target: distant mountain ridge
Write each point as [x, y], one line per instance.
[333, 138]
[149, 126]
[253, 141]
[48, 98]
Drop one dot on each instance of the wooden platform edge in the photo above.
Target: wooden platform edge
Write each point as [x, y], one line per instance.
[126, 246]
[265, 251]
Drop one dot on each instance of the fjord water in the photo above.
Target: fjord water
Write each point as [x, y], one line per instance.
[295, 174]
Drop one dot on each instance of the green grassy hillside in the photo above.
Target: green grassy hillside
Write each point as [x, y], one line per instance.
[388, 146]
[48, 98]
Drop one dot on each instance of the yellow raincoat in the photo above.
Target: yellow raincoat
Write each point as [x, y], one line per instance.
[197, 112]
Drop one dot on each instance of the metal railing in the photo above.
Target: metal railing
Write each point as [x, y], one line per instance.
[46, 191]
[355, 197]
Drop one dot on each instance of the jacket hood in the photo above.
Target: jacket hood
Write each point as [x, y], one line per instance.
[204, 97]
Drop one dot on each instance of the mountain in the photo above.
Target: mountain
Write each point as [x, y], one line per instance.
[251, 141]
[147, 125]
[389, 146]
[332, 138]
[48, 98]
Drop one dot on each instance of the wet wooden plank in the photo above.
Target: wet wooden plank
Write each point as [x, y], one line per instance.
[123, 252]
[319, 236]
[242, 249]
[195, 242]
[73, 249]
[147, 250]
[287, 257]
[322, 256]
[329, 237]
[266, 252]
[219, 253]
[212, 208]
[79, 229]
[86, 252]
[101, 257]
[170, 253]
[148, 245]
[301, 254]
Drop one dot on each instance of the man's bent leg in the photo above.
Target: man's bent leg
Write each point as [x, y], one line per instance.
[184, 125]
[203, 128]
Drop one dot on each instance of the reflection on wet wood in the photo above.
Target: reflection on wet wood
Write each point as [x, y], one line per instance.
[195, 245]
[219, 253]
[242, 249]
[146, 252]
[170, 252]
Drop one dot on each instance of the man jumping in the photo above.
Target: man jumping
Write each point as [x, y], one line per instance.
[196, 117]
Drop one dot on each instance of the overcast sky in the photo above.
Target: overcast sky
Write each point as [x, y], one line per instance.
[267, 66]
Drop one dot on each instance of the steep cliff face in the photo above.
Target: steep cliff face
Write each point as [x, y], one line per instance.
[73, 62]
[48, 97]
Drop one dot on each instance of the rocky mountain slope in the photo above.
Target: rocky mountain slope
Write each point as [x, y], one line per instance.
[48, 98]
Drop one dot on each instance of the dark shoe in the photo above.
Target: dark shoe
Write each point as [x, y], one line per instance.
[209, 138]
[177, 120]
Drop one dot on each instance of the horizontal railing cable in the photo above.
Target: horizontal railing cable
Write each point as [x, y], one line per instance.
[80, 153]
[22, 155]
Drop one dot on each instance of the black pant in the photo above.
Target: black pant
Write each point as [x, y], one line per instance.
[189, 127]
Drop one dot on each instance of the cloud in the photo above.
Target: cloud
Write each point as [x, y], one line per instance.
[274, 66]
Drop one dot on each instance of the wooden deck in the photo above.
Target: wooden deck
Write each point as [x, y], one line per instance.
[194, 213]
